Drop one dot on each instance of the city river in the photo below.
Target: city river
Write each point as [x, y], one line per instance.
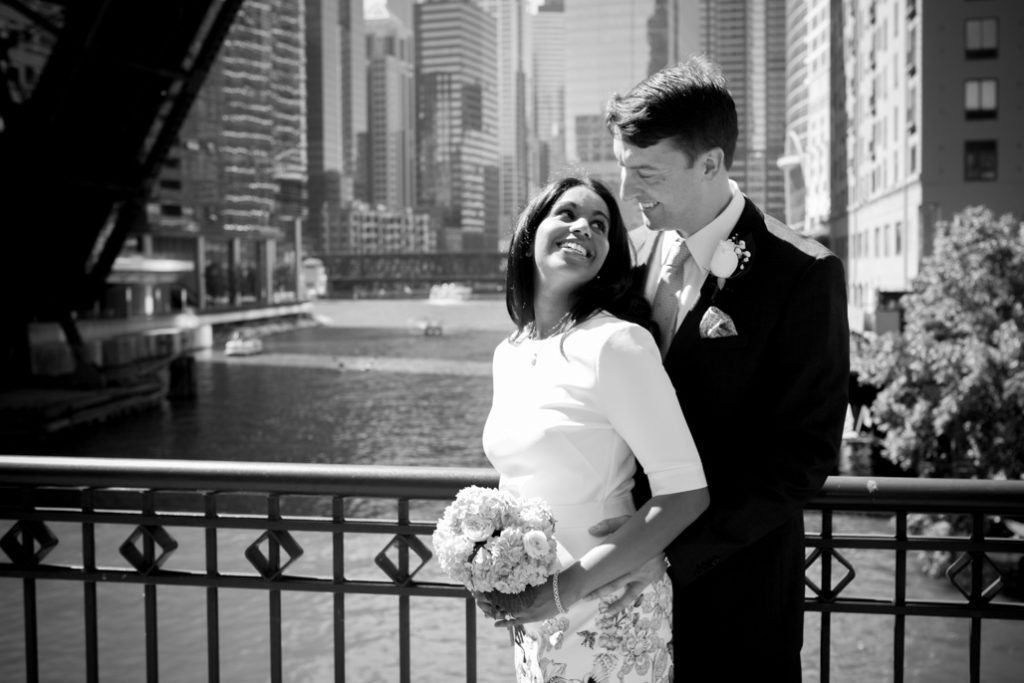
[367, 386]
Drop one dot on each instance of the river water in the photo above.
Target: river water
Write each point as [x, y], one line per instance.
[367, 386]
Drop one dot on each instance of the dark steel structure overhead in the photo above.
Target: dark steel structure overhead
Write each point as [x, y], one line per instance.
[79, 154]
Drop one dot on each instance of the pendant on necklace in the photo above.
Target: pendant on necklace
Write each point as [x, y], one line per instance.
[533, 359]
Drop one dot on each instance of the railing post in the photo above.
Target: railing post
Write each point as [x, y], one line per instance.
[212, 594]
[977, 590]
[92, 671]
[825, 636]
[899, 638]
[405, 663]
[31, 631]
[149, 593]
[274, 556]
[338, 539]
[471, 641]
[28, 592]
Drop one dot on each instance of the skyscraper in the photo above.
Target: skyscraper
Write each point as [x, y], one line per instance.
[812, 113]
[392, 101]
[610, 51]
[354, 141]
[237, 179]
[549, 49]
[323, 117]
[614, 45]
[338, 141]
[457, 131]
[515, 113]
[747, 38]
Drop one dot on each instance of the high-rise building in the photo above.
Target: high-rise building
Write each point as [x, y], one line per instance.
[810, 110]
[323, 118]
[515, 111]
[793, 161]
[683, 29]
[392, 106]
[933, 96]
[747, 38]
[337, 110]
[231, 194]
[354, 140]
[636, 30]
[549, 51]
[594, 72]
[457, 129]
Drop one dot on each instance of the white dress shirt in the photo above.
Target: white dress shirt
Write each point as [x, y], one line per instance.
[702, 245]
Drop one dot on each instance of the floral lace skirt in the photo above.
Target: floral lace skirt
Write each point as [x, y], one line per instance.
[633, 645]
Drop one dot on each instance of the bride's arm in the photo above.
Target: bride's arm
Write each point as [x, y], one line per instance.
[628, 549]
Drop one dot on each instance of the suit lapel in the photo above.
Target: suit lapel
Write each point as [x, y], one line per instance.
[748, 228]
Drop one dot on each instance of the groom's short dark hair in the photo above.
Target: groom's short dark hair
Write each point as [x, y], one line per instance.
[687, 102]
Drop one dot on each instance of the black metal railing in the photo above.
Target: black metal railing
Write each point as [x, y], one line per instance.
[273, 505]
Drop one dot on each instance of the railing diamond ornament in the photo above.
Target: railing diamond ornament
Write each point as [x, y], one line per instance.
[28, 542]
[269, 564]
[389, 567]
[833, 592]
[964, 562]
[137, 558]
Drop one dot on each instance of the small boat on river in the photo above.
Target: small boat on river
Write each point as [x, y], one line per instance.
[243, 343]
[450, 293]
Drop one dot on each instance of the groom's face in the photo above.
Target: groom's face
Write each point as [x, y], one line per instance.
[663, 181]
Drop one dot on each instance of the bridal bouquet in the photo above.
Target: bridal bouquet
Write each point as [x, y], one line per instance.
[496, 543]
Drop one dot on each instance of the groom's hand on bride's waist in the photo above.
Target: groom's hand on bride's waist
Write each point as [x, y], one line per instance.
[628, 587]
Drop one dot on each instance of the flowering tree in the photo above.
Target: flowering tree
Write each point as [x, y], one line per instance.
[951, 399]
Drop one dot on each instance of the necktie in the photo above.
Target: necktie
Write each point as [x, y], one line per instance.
[665, 306]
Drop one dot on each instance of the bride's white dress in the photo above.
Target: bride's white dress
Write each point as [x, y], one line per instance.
[568, 415]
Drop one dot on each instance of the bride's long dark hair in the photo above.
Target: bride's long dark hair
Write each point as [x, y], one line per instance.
[611, 290]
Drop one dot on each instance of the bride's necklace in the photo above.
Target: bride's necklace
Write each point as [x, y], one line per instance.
[538, 337]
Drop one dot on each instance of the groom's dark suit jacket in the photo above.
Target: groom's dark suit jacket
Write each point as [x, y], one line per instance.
[766, 408]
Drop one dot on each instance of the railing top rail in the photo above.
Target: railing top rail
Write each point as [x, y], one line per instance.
[433, 482]
[975, 495]
[275, 477]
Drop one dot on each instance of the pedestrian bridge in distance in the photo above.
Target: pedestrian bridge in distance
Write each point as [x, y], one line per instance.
[348, 271]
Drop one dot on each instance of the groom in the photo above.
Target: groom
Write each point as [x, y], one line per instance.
[755, 340]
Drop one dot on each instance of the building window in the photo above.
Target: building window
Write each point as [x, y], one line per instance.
[980, 160]
[981, 98]
[898, 239]
[981, 38]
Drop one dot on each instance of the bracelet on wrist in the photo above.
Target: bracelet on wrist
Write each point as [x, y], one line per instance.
[558, 598]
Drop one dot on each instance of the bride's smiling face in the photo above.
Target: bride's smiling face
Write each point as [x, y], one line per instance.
[571, 243]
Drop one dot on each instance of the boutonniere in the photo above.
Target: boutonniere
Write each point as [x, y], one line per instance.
[729, 259]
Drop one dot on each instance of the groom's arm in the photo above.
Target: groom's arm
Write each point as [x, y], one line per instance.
[798, 443]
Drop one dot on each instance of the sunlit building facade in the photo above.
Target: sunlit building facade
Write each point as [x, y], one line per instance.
[933, 100]
[515, 111]
[392, 113]
[549, 76]
[323, 121]
[614, 44]
[383, 230]
[231, 197]
[747, 38]
[457, 127]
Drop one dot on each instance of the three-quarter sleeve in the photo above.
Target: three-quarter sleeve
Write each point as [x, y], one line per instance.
[640, 403]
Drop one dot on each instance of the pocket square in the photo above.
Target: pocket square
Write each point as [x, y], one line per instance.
[716, 324]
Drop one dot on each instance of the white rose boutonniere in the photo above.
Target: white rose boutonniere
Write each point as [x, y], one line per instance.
[729, 257]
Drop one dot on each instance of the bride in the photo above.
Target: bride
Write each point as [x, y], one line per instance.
[580, 396]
